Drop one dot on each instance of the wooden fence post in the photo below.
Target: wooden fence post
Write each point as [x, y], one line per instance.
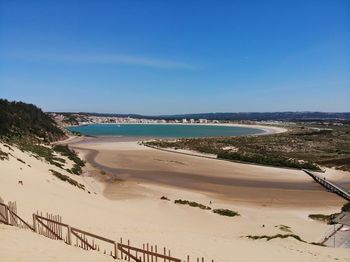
[128, 249]
[7, 215]
[147, 252]
[144, 256]
[34, 223]
[115, 251]
[69, 239]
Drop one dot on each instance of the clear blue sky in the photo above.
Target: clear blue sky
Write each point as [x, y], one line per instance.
[164, 57]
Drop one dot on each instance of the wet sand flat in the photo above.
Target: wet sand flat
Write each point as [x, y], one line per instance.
[241, 183]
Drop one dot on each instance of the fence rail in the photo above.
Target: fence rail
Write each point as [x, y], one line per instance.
[4, 214]
[8, 216]
[52, 227]
[147, 253]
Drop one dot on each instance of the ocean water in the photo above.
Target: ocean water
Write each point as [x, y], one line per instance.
[163, 130]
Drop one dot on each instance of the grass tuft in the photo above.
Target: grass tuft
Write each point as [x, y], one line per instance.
[323, 218]
[4, 155]
[268, 238]
[192, 204]
[72, 155]
[67, 179]
[226, 212]
[284, 228]
[346, 207]
[20, 160]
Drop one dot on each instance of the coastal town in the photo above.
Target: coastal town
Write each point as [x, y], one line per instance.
[73, 119]
[82, 119]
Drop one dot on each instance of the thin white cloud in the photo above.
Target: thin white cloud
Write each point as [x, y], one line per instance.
[112, 59]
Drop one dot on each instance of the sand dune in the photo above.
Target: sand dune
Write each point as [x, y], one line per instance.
[145, 218]
[22, 245]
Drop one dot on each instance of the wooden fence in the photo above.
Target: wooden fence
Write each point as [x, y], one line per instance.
[8, 216]
[148, 253]
[3, 213]
[51, 226]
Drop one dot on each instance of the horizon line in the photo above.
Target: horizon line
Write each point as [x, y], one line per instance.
[182, 114]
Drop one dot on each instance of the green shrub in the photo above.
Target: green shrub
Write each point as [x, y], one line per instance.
[225, 212]
[323, 218]
[271, 160]
[192, 204]
[165, 198]
[67, 179]
[346, 207]
[40, 151]
[268, 238]
[18, 119]
[76, 133]
[4, 155]
[20, 160]
[72, 155]
[284, 228]
[301, 147]
[317, 244]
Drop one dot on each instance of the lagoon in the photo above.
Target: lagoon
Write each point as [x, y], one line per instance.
[164, 130]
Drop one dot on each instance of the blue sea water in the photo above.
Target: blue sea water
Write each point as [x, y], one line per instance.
[163, 130]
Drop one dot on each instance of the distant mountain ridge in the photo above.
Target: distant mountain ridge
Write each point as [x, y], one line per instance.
[253, 116]
[268, 116]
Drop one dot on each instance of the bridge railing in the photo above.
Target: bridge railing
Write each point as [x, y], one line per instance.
[329, 185]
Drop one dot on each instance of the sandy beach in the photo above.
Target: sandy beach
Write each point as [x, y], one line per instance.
[125, 202]
[241, 183]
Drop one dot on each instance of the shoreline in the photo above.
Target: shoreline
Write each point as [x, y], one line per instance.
[267, 130]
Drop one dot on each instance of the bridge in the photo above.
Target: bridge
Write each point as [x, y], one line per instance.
[330, 186]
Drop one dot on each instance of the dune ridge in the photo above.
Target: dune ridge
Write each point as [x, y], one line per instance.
[145, 218]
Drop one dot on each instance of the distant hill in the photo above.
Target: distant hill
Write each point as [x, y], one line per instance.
[21, 119]
[104, 114]
[253, 116]
[282, 116]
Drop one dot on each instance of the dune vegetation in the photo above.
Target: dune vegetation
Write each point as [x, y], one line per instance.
[30, 129]
[307, 146]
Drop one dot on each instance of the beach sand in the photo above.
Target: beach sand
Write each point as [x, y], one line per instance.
[126, 203]
[23, 245]
[227, 181]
